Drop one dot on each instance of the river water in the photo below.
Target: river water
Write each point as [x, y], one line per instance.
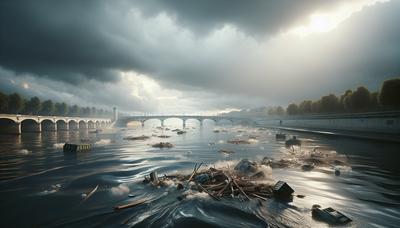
[40, 186]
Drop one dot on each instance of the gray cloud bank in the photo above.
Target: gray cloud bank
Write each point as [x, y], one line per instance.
[198, 49]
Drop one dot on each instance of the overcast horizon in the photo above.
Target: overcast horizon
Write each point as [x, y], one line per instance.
[177, 56]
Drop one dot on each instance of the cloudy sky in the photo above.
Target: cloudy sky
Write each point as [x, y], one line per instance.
[179, 56]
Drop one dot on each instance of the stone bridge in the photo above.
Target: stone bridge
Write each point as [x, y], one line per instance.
[123, 121]
[17, 124]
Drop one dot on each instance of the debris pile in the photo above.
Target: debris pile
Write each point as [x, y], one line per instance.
[163, 145]
[244, 182]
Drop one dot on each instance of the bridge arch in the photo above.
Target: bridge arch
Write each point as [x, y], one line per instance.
[30, 125]
[73, 125]
[209, 119]
[172, 118]
[91, 124]
[103, 124]
[48, 125]
[151, 119]
[82, 124]
[193, 118]
[62, 125]
[9, 126]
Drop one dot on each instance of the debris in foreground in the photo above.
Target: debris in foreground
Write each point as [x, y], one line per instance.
[293, 142]
[87, 196]
[163, 145]
[329, 215]
[181, 132]
[242, 182]
[129, 205]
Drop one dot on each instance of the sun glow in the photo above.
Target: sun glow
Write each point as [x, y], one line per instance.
[322, 22]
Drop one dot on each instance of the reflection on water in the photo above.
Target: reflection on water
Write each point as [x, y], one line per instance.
[42, 186]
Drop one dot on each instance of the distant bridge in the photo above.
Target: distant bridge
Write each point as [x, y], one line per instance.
[123, 121]
[17, 124]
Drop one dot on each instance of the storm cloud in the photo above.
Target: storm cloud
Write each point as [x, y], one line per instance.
[222, 53]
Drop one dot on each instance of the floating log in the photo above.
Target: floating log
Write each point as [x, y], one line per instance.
[129, 205]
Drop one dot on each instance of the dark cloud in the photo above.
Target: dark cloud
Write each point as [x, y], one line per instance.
[255, 17]
[201, 48]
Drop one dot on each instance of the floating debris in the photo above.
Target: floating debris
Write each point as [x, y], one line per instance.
[163, 145]
[238, 141]
[226, 151]
[307, 167]
[181, 132]
[142, 137]
[280, 136]
[282, 190]
[216, 131]
[218, 183]
[87, 196]
[329, 215]
[164, 136]
[177, 129]
[73, 148]
[129, 205]
[293, 142]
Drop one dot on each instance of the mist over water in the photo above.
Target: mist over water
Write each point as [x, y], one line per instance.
[42, 186]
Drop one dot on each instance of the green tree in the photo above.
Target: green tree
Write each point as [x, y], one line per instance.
[374, 105]
[305, 107]
[360, 99]
[61, 109]
[345, 100]
[93, 111]
[329, 104]
[3, 103]
[292, 109]
[74, 110]
[390, 93]
[48, 108]
[280, 111]
[33, 106]
[15, 103]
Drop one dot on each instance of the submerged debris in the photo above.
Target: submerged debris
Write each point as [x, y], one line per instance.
[142, 137]
[163, 145]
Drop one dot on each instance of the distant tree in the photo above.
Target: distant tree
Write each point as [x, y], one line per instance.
[74, 110]
[360, 99]
[280, 111]
[15, 103]
[292, 109]
[33, 106]
[93, 111]
[374, 102]
[316, 106]
[329, 104]
[61, 109]
[3, 103]
[48, 108]
[345, 100]
[390, 93]
[305, 107]
[86, 111]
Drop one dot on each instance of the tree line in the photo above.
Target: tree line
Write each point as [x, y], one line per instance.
[359, 100]
[15, 104]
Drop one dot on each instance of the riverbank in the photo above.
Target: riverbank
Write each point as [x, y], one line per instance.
[393, 138]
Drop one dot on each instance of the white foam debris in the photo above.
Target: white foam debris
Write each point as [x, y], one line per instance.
[24, 151]
[220, 141]
[120, 190]
[252, 141]
[58, 145]
[103, 142]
